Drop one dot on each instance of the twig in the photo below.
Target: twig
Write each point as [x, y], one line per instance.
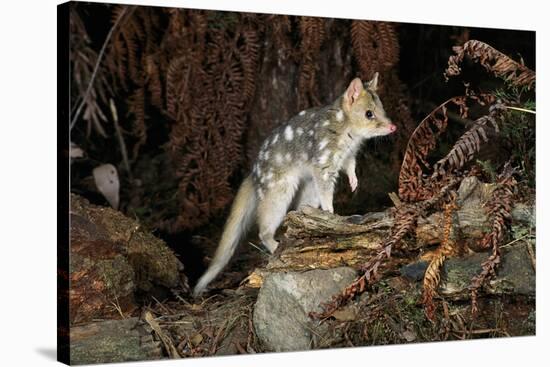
[96, 67]
[258, 248]
[168, 344]
[216, 338]
[166, 310]
[240, 348]
[520, 109]
[516, 240]
[395, 199]
[481, 331]
[120, 138]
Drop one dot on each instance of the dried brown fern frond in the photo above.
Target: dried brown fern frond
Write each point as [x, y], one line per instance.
[136, 107]
[375, 46]
[279, 27]
[414, 184]
[122, 49]
[470, 142]
[499, 209]
[210, 80]
[312, 31]
[448, 247]
[249, 53]
[422, 141]
[91, 90]
[493, 61]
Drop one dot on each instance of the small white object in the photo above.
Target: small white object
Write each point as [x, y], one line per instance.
[339, 115]
[75, 151]
[107, 182]
[324, 157]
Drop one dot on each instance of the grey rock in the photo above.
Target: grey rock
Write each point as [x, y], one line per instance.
[414, 271]
[515, 274]
[525, 213]
[281, 313]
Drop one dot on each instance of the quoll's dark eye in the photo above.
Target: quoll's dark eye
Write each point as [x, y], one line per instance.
[369, 114]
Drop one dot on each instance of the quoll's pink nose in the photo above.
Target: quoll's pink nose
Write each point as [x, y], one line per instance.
[392, 128]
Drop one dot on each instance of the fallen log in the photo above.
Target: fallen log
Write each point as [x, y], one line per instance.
[315, 239]
[113, 341]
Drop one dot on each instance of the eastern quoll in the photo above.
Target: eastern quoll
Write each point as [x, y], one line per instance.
[298, 165]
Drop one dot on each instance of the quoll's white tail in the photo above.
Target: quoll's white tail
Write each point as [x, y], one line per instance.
[240, 218]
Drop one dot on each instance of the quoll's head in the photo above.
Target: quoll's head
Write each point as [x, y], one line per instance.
[364, 109]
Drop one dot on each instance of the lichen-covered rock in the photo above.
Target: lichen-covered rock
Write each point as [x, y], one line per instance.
[281, 313]
[112, 258]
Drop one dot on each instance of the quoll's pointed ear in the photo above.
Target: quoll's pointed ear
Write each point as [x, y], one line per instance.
[354, 90]
[373, 83]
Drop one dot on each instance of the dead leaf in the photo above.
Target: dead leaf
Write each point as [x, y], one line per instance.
[408, 335]
[346, 314]
[196, 340]
[106, 181]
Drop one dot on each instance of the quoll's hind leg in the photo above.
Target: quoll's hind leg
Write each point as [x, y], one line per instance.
[308, 195]
[271, 211]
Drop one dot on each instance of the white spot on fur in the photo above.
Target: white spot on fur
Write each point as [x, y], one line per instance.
[324, 157]
[336, 159]
[260, 194]
[340, 115]
[299, 131]
[310, 144]
[289, 133]
[325, 176]
[302, 113]
[310, 132]
[316, 125]
[288, 157]
[326, 123]
[275, 138]
[323, 144]
[278, 158]
[313, 114]
[305, 156]
[264, 145]
[266, 155]
[269, 175]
